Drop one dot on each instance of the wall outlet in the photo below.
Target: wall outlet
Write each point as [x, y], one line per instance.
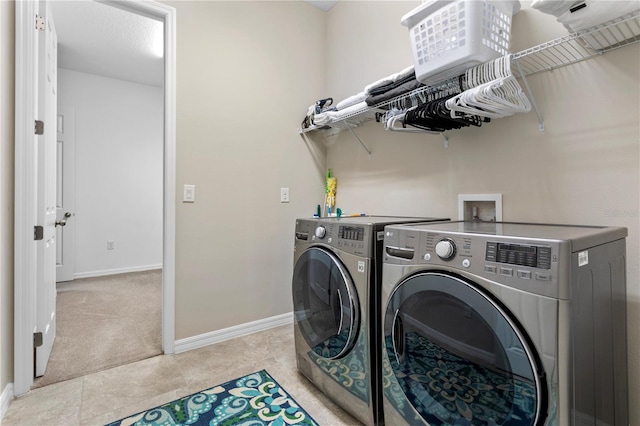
[111, 245]
[284, 195]
[480, 207]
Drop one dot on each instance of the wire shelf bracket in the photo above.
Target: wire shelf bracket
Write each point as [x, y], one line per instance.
[531, 98]
[346, 123]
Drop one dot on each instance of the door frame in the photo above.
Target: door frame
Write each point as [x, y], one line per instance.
[26, 63]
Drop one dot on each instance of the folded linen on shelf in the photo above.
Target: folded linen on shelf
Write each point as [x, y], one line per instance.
[398, 90]
[329, 117]
[351, 100]
[390, 81]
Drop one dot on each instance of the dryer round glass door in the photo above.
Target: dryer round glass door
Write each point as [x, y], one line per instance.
[325, 303]
[453, 355]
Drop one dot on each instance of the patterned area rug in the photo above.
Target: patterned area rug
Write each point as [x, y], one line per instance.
[256, 399]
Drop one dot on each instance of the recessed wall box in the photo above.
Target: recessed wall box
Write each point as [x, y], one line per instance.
[481, 207]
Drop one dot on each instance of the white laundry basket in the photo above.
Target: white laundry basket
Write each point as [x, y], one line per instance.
[449, 36]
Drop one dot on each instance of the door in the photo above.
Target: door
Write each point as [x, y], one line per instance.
[25, 251]
[46, 191]
[325, 303]
[65, 194]
[457, 357]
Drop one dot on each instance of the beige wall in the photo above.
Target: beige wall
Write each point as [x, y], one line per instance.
[246, 73]
[583, 169]
[242, 91]
[6, 191]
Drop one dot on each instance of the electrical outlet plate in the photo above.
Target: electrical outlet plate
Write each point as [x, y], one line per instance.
[284, 195]
[488, 207]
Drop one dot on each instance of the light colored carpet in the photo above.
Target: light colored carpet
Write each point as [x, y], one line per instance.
[105, 322]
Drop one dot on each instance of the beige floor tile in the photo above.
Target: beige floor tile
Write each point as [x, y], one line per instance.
[322, 409]
[210, 378]
[220, 362]
[131, 409]
[109, 395]
[276, 342]
[57, 404]
[129, 385]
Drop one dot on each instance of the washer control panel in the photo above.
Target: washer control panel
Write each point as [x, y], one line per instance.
[532, 256]
[530, 265]
[350, 238]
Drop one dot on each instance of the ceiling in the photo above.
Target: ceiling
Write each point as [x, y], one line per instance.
[322, 4]
[99, 39]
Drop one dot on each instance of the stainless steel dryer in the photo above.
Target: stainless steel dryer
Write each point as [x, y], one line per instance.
[336, 301]
[504, 324]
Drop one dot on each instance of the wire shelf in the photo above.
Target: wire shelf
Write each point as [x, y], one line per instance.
[363, 115]
[563, 51]
[579, 46]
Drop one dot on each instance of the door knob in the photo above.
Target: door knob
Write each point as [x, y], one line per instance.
[63, 222]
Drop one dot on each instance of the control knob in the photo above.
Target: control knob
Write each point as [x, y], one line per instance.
[321, 232]
[446, 249]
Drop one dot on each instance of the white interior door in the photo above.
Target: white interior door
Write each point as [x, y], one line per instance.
[46, 192]
[65, 194]
[26, 194]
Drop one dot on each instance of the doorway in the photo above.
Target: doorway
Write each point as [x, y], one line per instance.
[25, 285]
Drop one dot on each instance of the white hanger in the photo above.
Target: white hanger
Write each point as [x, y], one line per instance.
[494, 92]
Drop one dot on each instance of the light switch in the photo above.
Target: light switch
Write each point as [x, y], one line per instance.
[189, 194]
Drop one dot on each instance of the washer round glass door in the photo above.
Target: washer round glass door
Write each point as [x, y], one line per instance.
[325, 303]
[457, 356]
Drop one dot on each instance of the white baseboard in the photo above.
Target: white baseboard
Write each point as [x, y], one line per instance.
[105, 272]
[5, 398]
[217, 336]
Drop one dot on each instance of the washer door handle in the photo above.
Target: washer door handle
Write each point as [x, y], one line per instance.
[341, 312]
[397, 336]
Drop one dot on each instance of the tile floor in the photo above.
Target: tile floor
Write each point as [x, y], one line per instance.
[109, 395]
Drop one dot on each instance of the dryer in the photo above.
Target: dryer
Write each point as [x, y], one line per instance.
[504, 324]
[336, 300]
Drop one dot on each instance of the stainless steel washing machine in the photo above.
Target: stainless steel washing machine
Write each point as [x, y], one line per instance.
[504, 324]
[336, 301]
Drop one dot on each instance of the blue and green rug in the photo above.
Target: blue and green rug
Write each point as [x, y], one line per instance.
[253, 400]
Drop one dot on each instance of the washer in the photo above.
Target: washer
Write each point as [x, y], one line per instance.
[336, 300]
[504, 324]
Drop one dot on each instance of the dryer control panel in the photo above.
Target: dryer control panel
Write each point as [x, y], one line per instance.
[529, 265]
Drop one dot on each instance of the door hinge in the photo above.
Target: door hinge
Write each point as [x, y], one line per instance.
[38, 233]
[40, 24]
[39, 127]
[37, 339]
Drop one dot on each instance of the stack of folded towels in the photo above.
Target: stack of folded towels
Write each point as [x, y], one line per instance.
[342, 109]
[389, 87]
[379, 91]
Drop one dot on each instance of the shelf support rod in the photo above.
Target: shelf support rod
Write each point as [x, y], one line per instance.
[356, 136]
[531, 98]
